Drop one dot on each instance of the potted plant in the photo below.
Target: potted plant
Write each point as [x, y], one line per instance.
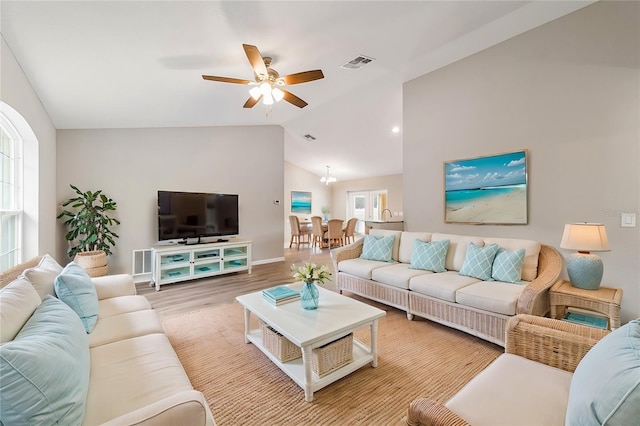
[90, 235]
[325, 213]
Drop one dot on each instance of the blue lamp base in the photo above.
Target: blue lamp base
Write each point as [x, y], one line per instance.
[585, 270]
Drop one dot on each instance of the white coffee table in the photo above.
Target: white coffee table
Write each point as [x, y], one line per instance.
[336, 316]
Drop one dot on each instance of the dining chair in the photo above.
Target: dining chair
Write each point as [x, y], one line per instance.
[298, 235]
[350, 230]
[335, 234]
[317, 233]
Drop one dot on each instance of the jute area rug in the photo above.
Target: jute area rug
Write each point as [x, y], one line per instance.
[243, 387]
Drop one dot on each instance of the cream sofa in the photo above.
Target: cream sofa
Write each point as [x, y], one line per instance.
[123, 372]
[552, 373]
[475, 306]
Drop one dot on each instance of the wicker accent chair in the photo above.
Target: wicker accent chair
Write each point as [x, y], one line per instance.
[317, 234]
[547, 341]
[350, 230]
[298, 235]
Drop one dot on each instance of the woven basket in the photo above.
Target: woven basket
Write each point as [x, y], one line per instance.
[279, 345]
[332, 356]
[93, 262]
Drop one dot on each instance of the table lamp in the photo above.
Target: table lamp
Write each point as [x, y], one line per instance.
[585, 269]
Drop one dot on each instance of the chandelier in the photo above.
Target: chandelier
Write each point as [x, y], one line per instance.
[327, 178]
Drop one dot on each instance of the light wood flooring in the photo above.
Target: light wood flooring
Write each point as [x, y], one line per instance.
[193, 295]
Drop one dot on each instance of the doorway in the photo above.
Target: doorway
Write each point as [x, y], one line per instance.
[366, 205]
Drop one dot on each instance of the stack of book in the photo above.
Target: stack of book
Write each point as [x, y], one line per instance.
[281, 294]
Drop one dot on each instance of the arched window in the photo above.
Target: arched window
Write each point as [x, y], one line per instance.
[11, 195]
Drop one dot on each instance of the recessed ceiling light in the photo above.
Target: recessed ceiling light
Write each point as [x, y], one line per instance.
[396, 129]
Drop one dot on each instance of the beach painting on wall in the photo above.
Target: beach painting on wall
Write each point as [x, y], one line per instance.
[487, 190]
[300, 202]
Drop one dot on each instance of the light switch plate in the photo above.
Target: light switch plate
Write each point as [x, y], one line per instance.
[628, 220]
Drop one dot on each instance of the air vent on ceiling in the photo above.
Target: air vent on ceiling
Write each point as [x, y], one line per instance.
[357, 63]
[309, 137]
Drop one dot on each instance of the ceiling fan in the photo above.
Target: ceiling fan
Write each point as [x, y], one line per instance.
[268, 83]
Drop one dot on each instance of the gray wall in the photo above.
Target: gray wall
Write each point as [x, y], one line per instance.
[40, 156]
[131, 165]
[568, 92]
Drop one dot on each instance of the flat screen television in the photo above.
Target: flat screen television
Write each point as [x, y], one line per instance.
[188, 215]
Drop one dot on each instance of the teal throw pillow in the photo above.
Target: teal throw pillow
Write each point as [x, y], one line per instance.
[75, 288]
[45, 369]
[429, 255]
[507, 266]
[605, 388]
[478, 261]
[378, 247]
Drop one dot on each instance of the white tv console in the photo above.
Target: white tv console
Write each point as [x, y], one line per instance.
[175, 263]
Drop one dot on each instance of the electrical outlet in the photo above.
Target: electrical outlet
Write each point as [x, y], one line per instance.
[276, 202]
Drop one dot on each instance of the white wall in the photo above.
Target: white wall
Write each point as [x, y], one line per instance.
[569, 92]
[299, 179]
[131, 165]
[39, 158]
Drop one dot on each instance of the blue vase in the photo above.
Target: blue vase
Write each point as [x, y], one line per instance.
[309, 296]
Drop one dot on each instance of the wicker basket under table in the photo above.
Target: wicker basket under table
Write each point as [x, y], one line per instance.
[332, 356]
[279, 345]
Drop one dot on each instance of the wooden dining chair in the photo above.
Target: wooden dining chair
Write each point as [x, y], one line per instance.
[298, 235]
[317, 233]
[335, 234]
[350, 230]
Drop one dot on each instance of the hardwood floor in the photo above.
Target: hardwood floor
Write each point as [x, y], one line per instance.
[193, 295]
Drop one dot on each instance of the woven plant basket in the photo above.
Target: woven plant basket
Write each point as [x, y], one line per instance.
[93, 262]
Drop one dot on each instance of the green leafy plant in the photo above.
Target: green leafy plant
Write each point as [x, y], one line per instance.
[89, 222]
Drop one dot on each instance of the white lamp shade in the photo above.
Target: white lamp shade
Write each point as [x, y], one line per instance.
[585, 237]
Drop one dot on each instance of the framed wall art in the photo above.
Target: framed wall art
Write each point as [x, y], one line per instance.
[487, 190]
[300, 202]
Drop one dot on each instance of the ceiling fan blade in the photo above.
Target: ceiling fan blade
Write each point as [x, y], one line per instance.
[256, 60]
[226, 79]
[302, 77]
[293, 99]
[251, 102]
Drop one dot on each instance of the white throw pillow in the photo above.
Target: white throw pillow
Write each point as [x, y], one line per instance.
[18, 301]
[44, 275]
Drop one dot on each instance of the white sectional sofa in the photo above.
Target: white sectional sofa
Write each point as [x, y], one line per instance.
[54, 371]
[478, 306]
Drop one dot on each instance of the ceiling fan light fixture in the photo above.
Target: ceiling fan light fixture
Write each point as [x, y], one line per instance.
[277, 94]
[267, 99]
[255, 92]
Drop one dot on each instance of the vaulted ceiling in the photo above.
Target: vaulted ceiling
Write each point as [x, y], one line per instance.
[136, 64]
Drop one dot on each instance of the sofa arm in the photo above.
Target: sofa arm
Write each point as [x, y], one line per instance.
[351, 251]
[534, 299]
[110, 286]
[425, 412]
[183, 408]
[556, 343]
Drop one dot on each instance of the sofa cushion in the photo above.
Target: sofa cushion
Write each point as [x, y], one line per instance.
[116, 372]
[396, 275]
[74, 287]
[531, 253]
[396, 243]
[507, 265]
[514, 391]
[45, 370]
[360, 267]
[493, 296]
[122, 305]
[457, 248]
[406, 244]
[429, 256]
[44, 275]
[378, 248]
[478, 261]
[606, 384]
[18, 301]
[442, 285]
[125, 326]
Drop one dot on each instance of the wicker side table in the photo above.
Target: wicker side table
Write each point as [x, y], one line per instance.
[604, 300]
